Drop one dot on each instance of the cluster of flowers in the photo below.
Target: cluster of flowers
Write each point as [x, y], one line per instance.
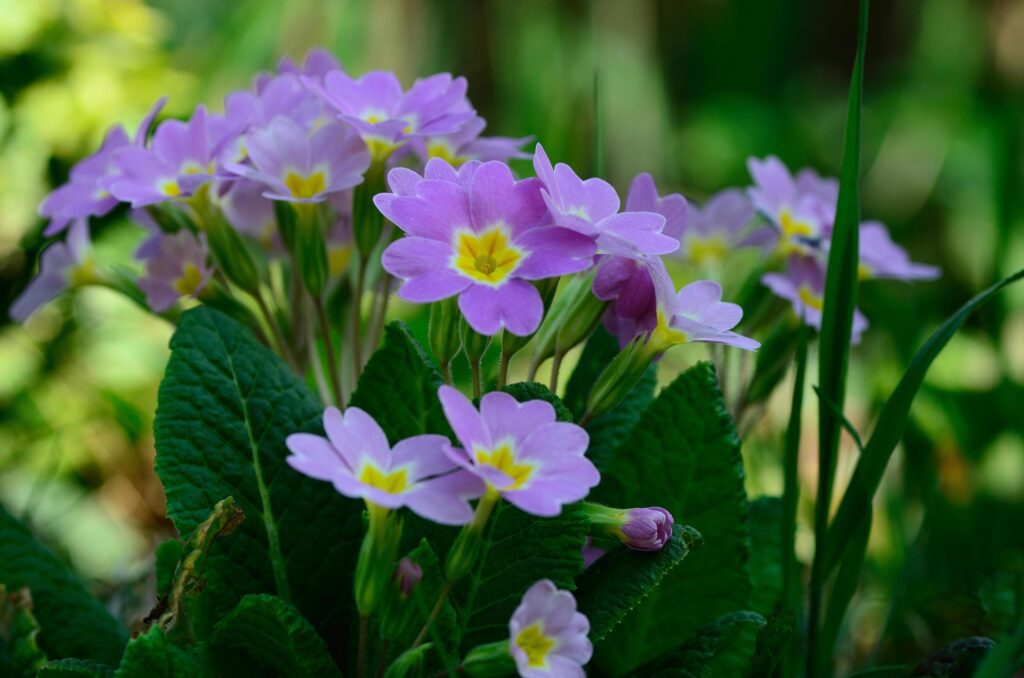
[507, 450]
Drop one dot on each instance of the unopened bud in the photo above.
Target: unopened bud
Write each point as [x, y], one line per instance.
[641, 529]
[618, 378]
[408, 575]
[379, 550]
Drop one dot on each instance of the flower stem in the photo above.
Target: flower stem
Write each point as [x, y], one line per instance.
[332, 362]
[556, 365]
[446, 372]
[506, 358]
[364, 622]
[383, 660]
[478, 385]
[380, 311]
[357, 317]
[438, 606]
[274, 328]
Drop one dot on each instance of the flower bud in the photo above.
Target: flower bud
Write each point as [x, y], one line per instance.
[474, 344]
[408, 576]
[397, 611]
[641, 529]
[367, 220]
[309, 247]
[584, 313]
[493, 659]
[618, 378]
[470, 542]
[374, 568]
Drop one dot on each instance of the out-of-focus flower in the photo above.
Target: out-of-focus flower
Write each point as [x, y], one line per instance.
[548, 637]
[416, 473]
[801, 210]
[408, 575]
[304, 168]
[520, 450]
[249, 212]
[466, 144]
[803, 285]
[698, 314]
[643, 197]
[181, 157]
[385, 115]
[317, 63]
[483, 241]
[86, 193]
[880, 257]
[591, 207]
[715, 229]
[63, 266]
[178, 268]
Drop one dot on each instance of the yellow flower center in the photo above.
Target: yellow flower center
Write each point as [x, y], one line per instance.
[792, 228]
[488, 257]
[708, 250]
[170, 188]
[395, 482]
[195, 168]
[810, 299]
[503, 459]
[380, 149]
[190, 279]
[536, 645]
[306, 186]
[338, 259]
[84, 274]
[665, 336]
[442, 149]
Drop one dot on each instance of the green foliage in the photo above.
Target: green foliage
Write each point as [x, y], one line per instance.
[609, 430]
[684, 455]
[713, 650]
[153, 655]
[399, 385]
[766, 555]
[19, 652]
[617, 583]
[274, 633]
[226, 405]
[519, 549]
[75, 668]
[168, 553]
[72, 622]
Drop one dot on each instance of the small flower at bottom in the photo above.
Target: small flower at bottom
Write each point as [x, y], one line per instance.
[520, 450]
[416, 473]
[548, 637]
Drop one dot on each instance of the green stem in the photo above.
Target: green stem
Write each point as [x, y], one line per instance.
[556, 366]
[357, 317]
[434, 612]
[791, 495]
[332, 362]
[364, 623]
[478, 384]
[506, 358]
[283, 349]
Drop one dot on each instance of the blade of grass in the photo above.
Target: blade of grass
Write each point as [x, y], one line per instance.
[834, 347]
[871, 466]
[846, 424]
[843, 588]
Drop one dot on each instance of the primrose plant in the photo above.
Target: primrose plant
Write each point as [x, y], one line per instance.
[349, 501]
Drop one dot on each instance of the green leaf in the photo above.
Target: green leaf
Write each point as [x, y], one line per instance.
[72, 668]
[168, 553]
[73, 623]
[607, 431]
[531, 390]
[613, 586]
[872, 463]
[766, 555]
[225, 402]
[708, 651]
[152, 655]
[683, 455]
[399, 385]
[772, 641]
[519, 549]
[19, 632]
[1004, 658]
[274, 633]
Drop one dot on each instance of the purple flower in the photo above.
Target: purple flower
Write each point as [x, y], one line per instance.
[86, 194]
[880, 257]
[385, 115]
[249, 212]
[633, 286]
[646, 529]
[416, 473]
[181, 157]
[317, 63]
[520, 450]
[698, 314]
[178, 268]
[800, 209]
[591, 207]
[298, 167]
[715, 229]
[548, 637]
[466, 144]
[482, 237]
[408, 575]
[803, 286]
[63, 266]
[643, 197]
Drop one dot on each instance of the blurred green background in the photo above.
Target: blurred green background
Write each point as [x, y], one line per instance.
[689, 89]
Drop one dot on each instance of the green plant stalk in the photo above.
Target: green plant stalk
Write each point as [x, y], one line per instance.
[332, 361]
[791, 482]
[834, 347]
[357, 316]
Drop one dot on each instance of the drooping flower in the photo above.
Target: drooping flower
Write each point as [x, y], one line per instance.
[64, 265]
[714, 230]
[803, 285]
[548, 637]
[385, 115]
[86, 193]
[482, 239]
[641, 529]
[591, 207]
[698, 314]
[465, 144]
[178, 268]
[416, 473]
[801, 210]
[181, 157]
[880, 257]
[520, 450]
[304, 168]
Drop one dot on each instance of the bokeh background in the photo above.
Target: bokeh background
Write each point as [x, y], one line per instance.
[688, 90]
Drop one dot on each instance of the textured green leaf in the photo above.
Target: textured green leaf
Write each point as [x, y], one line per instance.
[72, 668]
[224, 395]
[276, 635]
[531, 390]
[773, 639]
[152, 655]
[708, 651]
[610, 430]
[399, 385]
[766, 555]
[519, 550]
[613, 586]
[19, 632]
[73, 623]
[684, 455]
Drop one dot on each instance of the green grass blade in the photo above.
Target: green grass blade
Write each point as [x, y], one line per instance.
[843, 588]
[836, 327]
[869, 470]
